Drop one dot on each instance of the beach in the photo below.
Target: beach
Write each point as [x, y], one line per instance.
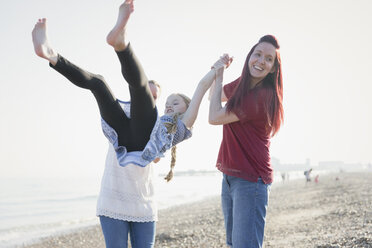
[328, 214]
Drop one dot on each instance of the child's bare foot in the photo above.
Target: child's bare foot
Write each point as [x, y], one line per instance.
[40, 41]
[116, 36]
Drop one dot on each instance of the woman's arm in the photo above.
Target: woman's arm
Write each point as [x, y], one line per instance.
[225, 61]
[218, 115]
[223, 95]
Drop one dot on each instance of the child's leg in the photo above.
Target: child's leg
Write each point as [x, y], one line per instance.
[109, 108]
[143, 109]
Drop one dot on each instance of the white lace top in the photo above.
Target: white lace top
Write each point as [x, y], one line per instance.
[127, 193]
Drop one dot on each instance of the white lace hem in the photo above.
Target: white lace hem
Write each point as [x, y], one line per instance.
[117, 216]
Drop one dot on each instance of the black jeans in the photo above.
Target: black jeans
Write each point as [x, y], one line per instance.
[134, 132]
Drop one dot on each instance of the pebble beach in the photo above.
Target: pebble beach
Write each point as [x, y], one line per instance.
[328, 214]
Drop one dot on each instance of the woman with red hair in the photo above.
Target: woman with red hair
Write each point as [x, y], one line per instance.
[252, 115]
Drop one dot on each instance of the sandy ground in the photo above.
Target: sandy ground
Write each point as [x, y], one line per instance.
[327, 214]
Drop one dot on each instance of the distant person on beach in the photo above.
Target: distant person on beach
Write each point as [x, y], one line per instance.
[283, 176]
[136, 134]
[252, 115]
[307, 175]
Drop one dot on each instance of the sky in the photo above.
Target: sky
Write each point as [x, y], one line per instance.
[50, 127]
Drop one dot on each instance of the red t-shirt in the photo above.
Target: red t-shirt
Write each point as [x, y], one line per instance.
[244, 150]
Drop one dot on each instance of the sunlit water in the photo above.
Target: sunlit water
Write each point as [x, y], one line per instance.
[34, 208]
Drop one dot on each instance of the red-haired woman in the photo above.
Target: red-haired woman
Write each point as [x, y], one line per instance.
[252, 115]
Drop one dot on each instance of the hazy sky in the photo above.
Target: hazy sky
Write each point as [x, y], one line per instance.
[50, 127]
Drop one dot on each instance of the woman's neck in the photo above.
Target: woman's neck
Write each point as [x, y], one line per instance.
[255, 83]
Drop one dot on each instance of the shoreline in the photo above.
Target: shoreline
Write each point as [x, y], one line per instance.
[327, 214]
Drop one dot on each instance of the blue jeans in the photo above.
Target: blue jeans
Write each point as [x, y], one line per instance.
[142, 234]
[244, 205]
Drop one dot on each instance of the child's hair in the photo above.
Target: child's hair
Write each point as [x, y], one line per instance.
[173, 163]
[172, 128]
[185, 98]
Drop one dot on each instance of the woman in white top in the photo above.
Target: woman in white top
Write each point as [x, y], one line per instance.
[137, 135]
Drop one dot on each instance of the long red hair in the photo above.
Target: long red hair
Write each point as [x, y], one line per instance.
[273, 81]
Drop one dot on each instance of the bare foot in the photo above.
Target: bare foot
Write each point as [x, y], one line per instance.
[40, 41]
[116, 37]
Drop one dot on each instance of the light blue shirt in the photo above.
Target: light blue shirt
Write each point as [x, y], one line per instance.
[160, 140]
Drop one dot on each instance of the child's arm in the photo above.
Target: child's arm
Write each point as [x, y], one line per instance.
[192, 111]
[205, 83]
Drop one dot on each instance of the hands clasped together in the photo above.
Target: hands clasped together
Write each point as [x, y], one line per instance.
[224, 62]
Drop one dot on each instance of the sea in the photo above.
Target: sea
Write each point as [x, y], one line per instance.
[33, 208]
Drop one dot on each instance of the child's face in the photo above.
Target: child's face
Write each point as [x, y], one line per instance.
[175, 104]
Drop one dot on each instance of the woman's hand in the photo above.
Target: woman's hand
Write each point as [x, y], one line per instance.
[224, 61]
